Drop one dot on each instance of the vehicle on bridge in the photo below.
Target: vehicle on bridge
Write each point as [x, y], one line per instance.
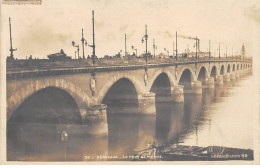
[59, 56]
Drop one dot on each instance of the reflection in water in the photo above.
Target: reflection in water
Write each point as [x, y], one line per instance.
[207, 119]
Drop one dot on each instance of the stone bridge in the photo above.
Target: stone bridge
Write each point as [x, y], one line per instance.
[96, 88]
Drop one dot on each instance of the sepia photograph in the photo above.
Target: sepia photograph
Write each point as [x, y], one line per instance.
[130, 81]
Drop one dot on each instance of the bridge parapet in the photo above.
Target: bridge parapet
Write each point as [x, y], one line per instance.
[17, 69]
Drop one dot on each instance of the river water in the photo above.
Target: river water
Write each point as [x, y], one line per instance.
[221, 117]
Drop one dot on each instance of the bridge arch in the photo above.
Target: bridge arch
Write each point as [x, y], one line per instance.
[122, 93]
[222, 70]
[213, 72]
[151, 80]
[234, 68]
[237, 67]
[140, 88]
[161, 85]
[186, 78]
[80, 97]
[57, 106]
[202, 75]
[228, 68]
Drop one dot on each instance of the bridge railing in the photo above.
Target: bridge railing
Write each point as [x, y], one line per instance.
[14, 65]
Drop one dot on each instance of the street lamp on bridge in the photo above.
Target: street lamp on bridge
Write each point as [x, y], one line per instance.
[196, 44]
[226, 51]
[135, 50]
[11, 44]
[218, 50]
[145, 37]
[176, 47]
[84, 41]
[93, 44]
[232, 51]
[209, 49]
[75, 54]
[166, 51]
[77, 46]
[154, 48]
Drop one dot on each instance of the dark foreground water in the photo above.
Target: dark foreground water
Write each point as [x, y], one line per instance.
[222, 116]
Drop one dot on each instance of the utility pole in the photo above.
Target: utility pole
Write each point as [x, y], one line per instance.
[93, 45]
[82, 39]
[219, 50]
[176, 48]
[196, 56]
[78, 51]
[11, 45]
[226, 51]
[125, 46]
[232, 51]
[209, 48]
[146, 36]
[173, 48]
[75, 54]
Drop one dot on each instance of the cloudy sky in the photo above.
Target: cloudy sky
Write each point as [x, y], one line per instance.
[44, 29]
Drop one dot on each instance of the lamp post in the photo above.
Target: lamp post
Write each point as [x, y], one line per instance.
[196, 56]
[219, 50]
[83, 40]
[145, 37]
[209, 49]
[176, 47]
[166, 51]
[93, 45]
[226, 51]
[135, 50]
[64, 138]
[232, 52]
[125, 47]
[11, 44]
[154, 48]
[77, 46]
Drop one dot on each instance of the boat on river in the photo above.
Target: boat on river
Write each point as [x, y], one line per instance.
[175, 152]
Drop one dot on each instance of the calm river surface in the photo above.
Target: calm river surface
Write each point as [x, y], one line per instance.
[222, 116]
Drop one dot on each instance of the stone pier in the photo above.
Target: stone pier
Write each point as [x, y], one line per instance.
[96, 120]
[226, 77]
[237, 74]
[178, 94]
[147, 103]
[197, 87]
[233, 76]
[219, 80]
[210, 83]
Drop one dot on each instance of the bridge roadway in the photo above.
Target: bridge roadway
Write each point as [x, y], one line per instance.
[91, 86]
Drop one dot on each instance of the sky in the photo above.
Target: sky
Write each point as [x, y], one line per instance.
[39, 30]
